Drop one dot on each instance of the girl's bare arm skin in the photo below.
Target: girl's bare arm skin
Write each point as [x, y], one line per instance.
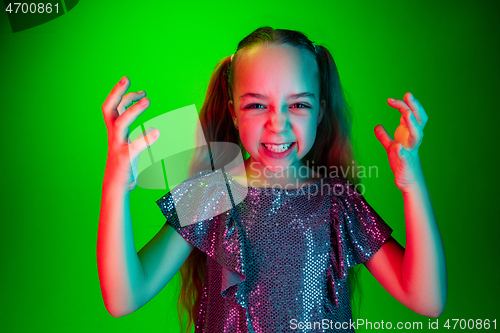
[416, 276]
[129, 279]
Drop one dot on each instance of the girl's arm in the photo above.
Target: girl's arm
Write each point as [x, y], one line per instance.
[129, 279]
[416, 276]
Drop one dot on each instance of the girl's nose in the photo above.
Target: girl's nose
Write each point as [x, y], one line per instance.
[278, 122]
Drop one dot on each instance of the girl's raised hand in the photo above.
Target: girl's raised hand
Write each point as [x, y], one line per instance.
[123, 155]
[403, 150]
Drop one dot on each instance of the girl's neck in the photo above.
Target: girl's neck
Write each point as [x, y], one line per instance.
[257, 175]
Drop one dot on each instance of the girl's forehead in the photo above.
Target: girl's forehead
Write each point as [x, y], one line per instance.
[269, 55]
[265, 65]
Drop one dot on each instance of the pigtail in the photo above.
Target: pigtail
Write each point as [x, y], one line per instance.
[216, 122]
[333, 147]
[217, 125]
[214, 114]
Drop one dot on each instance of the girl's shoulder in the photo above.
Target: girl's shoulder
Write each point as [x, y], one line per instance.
[200, 197]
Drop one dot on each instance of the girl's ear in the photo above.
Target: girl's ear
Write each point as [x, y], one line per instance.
[321, 111]
[230, 105]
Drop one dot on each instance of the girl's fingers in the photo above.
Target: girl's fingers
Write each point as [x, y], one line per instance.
[128, 117]
[403, 154]
[398, 104]
[143, 141]
[418, 109]
[413, 127]
[410, 104]
[128, 99]
[110, 105]
[382, 136]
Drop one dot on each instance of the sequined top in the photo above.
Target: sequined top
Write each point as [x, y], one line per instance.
[278, 260]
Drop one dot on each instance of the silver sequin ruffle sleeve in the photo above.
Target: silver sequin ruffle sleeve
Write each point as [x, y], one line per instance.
[281, 256]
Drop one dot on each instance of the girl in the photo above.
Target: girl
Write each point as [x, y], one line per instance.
[278, 260]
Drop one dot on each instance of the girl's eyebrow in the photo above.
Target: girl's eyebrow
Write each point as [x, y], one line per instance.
[292, 96]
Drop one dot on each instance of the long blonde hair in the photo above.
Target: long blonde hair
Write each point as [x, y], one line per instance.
[332, 147]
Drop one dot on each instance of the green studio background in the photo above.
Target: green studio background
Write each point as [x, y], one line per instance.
[55, 77]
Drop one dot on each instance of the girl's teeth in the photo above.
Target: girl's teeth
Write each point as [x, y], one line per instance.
[278, 148]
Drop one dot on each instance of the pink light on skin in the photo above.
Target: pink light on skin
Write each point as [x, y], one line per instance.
[276, 100]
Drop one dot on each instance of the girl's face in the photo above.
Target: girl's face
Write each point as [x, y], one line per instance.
[276, 101]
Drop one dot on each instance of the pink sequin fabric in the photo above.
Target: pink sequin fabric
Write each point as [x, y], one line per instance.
[279, 258]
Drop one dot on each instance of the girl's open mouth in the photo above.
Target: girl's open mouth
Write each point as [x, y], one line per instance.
[278, 151]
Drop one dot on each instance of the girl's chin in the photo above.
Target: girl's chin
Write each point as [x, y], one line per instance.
[275, 169]
[270, 166]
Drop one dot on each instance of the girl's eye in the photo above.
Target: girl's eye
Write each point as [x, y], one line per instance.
[252, 106]
[303, 106]
[299, 106]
